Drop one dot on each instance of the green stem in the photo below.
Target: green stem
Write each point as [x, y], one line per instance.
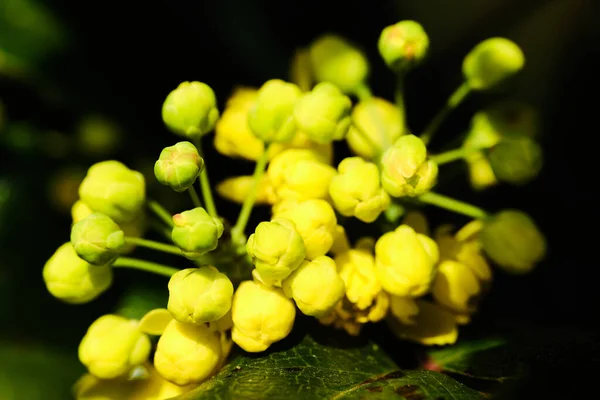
[205, 185]
[451, 204]
[160, 228]
[151, 244]
[161, 212]
[453, 155]
[453, 101]
[259, 170]
[399, 94]
[159, 269]
[194, 196]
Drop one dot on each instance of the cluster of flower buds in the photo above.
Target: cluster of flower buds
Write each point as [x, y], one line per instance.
[424, 284]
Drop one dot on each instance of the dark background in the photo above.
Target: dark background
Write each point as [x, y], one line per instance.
[121, 59]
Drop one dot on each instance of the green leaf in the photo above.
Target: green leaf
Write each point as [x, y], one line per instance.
[321, 368]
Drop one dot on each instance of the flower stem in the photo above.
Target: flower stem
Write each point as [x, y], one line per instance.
[259, 170]
[142, 265]
[453, 101]
[194, 196]
[161, 212]
[453, 155]
[151, 244]
[399, 94]
[451, 204]
[205, 185]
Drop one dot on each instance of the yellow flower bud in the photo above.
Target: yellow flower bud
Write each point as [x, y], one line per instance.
[298, 174]
[233, 136]
[456, 287]
[380, 121]
[97, 239]
[178, 166]
[433, 325]
[324, 113]
[271, 116]
[315, 221]
[406, 170]
[491, 62]
[113, 189]
[406, 261]
[356, 267]
[195, 232]
[481, 174]
[90, 387]
[356, 190]
[199, 295]
[341, 244]
[417, 221]
[237, 188]
[79, 211]
[112, 346]
[346, 315]
[405, 309]
[335, 60]
[300, 70]
[187, 353]
[155, 387]
[191, 110]
[73, 280]
[322, 151]
[276, 249]
[261, 316]
[403, 45]
[513, 241]
[315, 286]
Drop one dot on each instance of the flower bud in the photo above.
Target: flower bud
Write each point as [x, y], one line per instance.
[233, 136]
[112, 346]
[406, 261]
[416, 220]
[506, 119]
[271, 116]
[356, 267]
[115, 190]
[356, 190]
[513, 241]
[335, 60]
[403, 45]
[516, 160]
[323, 151]
[79, 211]
[405, 309]
[405, 168]
[456, 287]
[178, 166]
[155, 387]
[73, 280]
[324, 113]
[276, 249]
[237, 188]
[187, 353]
[300, 69]
[261, 316]
[199, 295]
[491, 62]
[196, 232]
[298, 174]
[315, 286]
[97, 239]
[433, 325]
[90, 387]
[316, 223]
[341, 244]
[190, 110]
[481, 174]
[380, 121]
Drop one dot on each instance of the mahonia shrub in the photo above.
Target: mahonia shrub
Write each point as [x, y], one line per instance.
[246, 285]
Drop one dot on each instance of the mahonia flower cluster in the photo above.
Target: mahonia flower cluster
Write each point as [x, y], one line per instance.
[302, 260]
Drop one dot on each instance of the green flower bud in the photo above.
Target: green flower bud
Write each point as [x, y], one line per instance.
[191, 110]
[271, 117]
[73, 280]
[513, 241]
[516, 160]
[491, 62]
[277, 249]
[403, 45]
[199, 295]
[324, 113]
[97, 239]
[335, 60]
[406, 171]
[115, 190]
[196, 232]
[112, 346]
[178, 166]
[506, 119]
